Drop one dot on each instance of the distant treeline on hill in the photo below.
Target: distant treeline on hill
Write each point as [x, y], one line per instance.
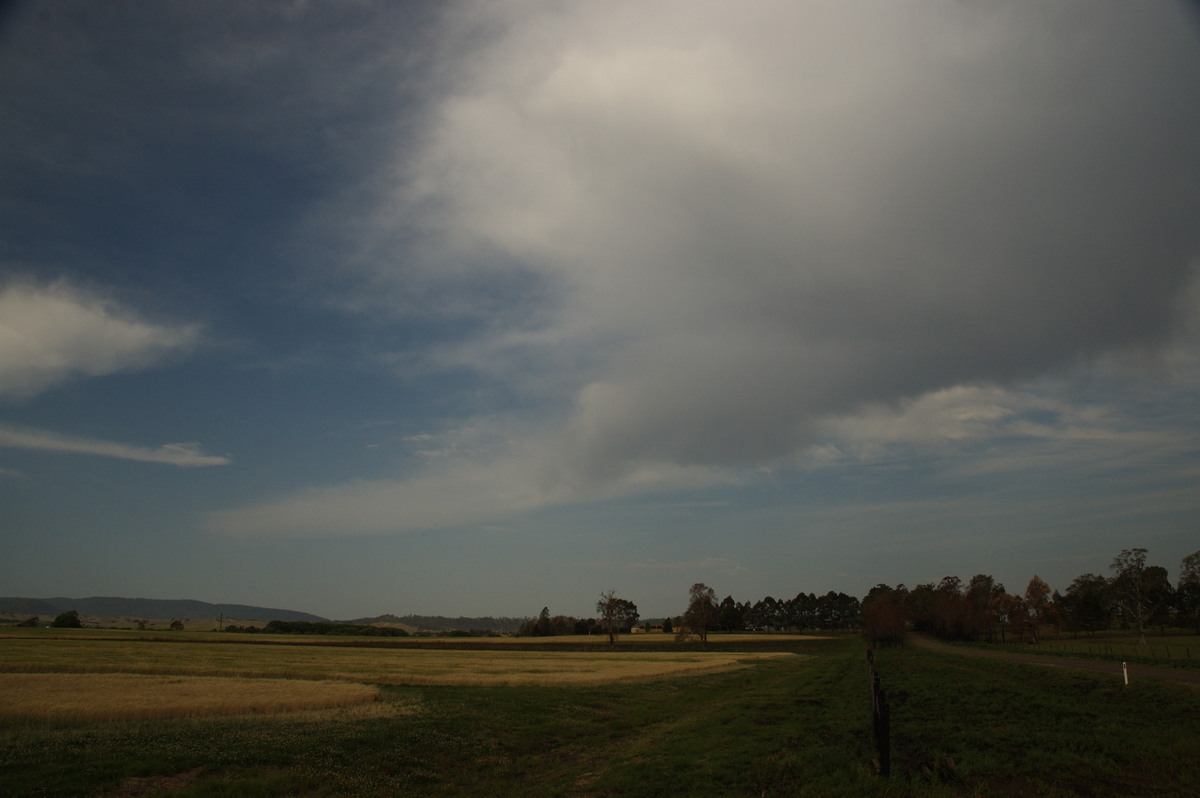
[321, 628]
[438, 623]
[149, 609]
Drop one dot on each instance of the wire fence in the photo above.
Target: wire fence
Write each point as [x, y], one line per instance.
[1101, 648]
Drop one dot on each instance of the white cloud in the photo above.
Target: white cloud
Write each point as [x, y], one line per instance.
[722, 237]
[960, 414]
[1028, 428]
[178, 454]
[50, 334]
[462, 487]
[769, 218]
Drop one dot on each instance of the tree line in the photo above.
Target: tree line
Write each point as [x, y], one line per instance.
[1134, 597]
[615, 616]
[320, 628]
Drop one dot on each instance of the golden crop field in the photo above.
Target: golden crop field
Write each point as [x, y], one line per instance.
[500, 666]
[91, 678]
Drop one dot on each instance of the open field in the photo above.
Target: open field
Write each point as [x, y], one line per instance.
[501, 665]
[126, 696]
[204, 632]
[798, 724]
[1176, 650]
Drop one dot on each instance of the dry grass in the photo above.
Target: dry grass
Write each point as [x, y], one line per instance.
[501, 666]
[124, 696]
[484, 668]
[599, 640]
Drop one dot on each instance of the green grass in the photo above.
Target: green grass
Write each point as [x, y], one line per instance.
[1030, 730]
[786, 726]
[1166, 651]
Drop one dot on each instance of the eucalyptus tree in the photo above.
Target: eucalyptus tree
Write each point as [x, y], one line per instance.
[615, 614]
[1087, 605]
[1037, 598]
[731, 616]
[702, 613]
[1187, 591]
[1130, 588]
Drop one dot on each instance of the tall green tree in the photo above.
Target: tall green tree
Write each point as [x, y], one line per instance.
[1160, 596]
[803, 611]
[702, 613]
[979, 610]
[947, 609]
[1037, 598]
[1086, 605]
[1187, 591]
[919, 607]
[883, 615]
[730, 615]
[1130, 588]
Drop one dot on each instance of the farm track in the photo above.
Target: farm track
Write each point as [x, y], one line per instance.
[1135, 671]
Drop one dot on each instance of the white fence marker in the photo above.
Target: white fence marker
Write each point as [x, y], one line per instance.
[1125, 669]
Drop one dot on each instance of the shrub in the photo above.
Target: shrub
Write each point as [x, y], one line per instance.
[67, 620]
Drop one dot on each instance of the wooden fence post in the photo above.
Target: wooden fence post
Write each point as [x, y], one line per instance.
[881, 720]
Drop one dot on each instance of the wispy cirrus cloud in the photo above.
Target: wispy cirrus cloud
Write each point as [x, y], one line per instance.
[51, 333]
[462, 487]
[184, 455]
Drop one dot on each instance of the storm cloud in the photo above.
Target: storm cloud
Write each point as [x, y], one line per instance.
[779, 216]
[719, 233]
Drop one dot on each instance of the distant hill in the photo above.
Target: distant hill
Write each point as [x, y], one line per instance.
[149, 609]
[438, 623]
[28, 606]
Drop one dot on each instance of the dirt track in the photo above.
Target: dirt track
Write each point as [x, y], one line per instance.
[1136, 672]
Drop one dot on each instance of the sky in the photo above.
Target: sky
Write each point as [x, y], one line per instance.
[475, 308]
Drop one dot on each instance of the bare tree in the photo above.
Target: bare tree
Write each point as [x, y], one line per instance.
[701, 615]
[615, 614]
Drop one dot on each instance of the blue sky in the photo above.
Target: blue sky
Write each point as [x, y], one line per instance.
[475, 308]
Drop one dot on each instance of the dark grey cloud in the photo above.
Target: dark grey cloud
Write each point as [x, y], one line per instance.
[787, 214]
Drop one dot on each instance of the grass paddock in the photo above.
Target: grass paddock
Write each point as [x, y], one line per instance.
[496, 665]
[126, 696]
[797, 724]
